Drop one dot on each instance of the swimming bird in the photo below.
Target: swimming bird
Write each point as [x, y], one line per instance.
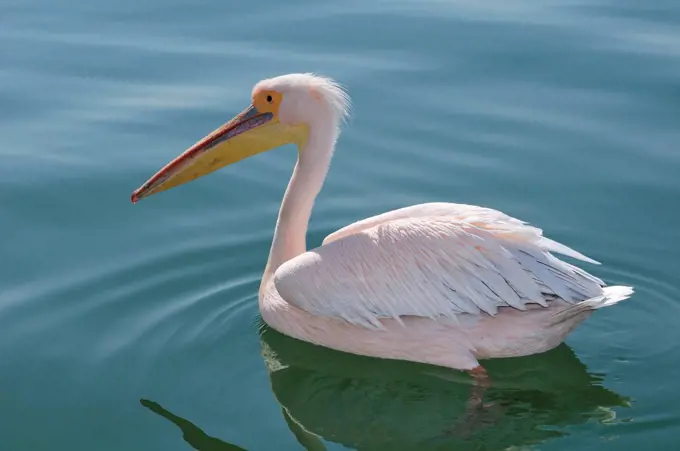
[438, 283]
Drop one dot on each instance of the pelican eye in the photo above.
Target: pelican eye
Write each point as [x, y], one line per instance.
[269, 99]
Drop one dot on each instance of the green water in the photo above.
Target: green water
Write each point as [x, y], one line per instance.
[135, 327]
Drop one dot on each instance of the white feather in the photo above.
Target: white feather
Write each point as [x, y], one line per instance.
[432, 260]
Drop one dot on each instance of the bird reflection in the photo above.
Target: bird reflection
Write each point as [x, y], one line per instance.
[364, 403]
[192, 434]
[199, 440]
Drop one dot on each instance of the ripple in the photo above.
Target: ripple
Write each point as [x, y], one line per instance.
[170, 298]
[563, 113]
[231, 49]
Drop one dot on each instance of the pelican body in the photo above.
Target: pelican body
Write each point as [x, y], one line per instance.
[438, 283]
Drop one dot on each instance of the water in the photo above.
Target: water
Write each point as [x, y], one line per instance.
[136, 327]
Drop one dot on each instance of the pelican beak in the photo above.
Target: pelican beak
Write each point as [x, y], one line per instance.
[247, 134]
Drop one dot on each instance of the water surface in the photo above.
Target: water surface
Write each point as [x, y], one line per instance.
[136, 327]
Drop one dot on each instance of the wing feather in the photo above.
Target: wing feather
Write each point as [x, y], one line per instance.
[443, 261]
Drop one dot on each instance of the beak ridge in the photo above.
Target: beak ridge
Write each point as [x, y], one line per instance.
[198, 160]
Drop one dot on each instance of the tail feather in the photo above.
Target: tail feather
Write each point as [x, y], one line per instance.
[610, 296]
[560, 248]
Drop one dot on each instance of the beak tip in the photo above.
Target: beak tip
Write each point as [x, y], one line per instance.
[134, 197]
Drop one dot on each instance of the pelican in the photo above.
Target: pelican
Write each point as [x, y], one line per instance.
[438, 283]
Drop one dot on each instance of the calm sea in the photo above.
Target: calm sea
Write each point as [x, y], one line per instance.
[135, 327]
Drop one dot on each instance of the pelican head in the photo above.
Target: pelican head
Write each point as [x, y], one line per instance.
[282, 111]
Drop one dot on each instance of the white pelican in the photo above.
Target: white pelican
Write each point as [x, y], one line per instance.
[439, 283]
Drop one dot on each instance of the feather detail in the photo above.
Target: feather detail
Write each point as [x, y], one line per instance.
[435, 261]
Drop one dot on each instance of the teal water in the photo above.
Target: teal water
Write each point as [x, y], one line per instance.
[135, 327]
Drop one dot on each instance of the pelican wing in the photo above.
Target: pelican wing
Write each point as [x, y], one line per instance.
[436, 260]
[458, 212]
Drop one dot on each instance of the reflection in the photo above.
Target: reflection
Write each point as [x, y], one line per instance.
[192, 434]
[364, 403]
[201, 441]
[370, 404]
